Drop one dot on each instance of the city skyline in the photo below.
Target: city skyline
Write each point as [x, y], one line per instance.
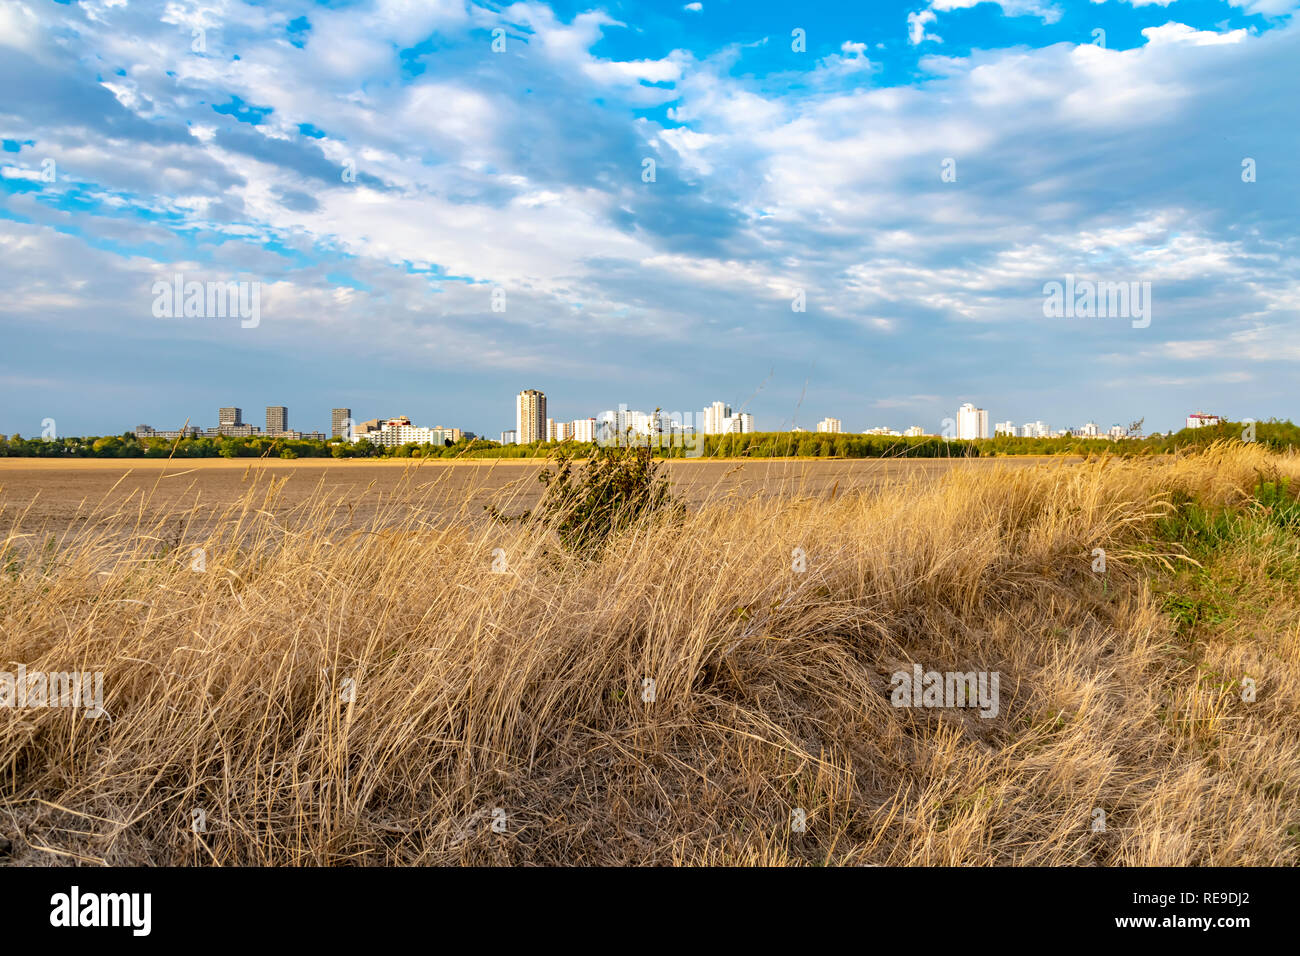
[859, 213]
[323, 420]
[718, 417]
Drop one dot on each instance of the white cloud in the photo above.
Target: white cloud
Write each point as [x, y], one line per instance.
[19, 26]
[1142, 3]
[1268, 8]
[916, 23]
[1070, 158]
[1181, 33]
[1045, 11]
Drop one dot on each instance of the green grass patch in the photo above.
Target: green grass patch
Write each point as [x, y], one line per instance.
[1248, 557]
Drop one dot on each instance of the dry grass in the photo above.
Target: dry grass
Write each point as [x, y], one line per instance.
[522, 690]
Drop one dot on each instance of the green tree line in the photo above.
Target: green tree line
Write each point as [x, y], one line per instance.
[1273, 433]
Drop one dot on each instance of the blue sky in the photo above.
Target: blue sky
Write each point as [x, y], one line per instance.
[1113, 155]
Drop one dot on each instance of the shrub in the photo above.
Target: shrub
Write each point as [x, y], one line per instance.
[613, 490]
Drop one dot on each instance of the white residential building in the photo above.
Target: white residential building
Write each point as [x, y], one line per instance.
[626, 424]
[916, 431]
[558, 431]
[1005, 428]
[508, 437]
[609, 423]
[713, 420]
[831, 425]
[1201, 420]
[584, 429]
[741, 423]
[972, 422]
[400, 431]
[1036, 429]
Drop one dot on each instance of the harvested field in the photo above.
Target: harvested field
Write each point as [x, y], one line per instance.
[55, 496]
[416, 692]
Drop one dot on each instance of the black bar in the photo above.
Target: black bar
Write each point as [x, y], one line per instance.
[335, 907]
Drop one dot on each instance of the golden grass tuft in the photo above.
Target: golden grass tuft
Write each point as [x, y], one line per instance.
[522, 690]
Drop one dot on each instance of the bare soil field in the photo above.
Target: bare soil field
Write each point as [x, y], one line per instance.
[53, 496]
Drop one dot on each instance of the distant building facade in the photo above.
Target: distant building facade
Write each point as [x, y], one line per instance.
[713, 420]
[232, 431]
[741, 423]
[1036, 429]
[530, 416]
[146, 431]
[972, 422]
[277, 419]
[340, 419]
[400, 431]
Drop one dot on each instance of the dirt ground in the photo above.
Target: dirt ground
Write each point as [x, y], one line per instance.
[42, 496]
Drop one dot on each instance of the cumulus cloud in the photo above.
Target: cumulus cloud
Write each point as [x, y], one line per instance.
[1182, 33]
[916, 27]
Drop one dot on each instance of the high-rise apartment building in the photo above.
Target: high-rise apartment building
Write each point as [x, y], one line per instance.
[972, 422]
[1005, 428]
[741, 423]
[530, 416]
[508, 437]
[831, 425]
[277, 419]
[230, 417]
[620, 424]
[1036, 429]
[340, 419]
[713, 420]
[584, 430]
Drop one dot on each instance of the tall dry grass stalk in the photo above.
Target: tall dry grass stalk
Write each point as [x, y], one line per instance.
[521, 690]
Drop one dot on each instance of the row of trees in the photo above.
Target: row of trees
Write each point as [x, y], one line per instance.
[1273, 433]
[127, 445]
